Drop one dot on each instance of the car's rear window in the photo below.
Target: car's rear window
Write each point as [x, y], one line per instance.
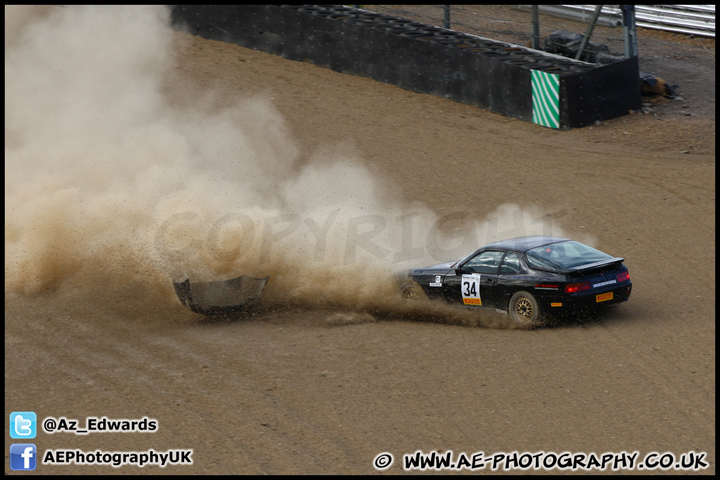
[568, 254]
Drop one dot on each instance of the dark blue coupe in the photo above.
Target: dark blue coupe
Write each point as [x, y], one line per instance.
[532, 278]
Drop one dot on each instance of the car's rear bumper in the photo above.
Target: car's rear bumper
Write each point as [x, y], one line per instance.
[589, 300]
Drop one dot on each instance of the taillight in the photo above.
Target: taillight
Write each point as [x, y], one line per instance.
[623, 277]
[577, 287]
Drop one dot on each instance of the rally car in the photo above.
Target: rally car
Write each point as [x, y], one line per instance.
[531, 278]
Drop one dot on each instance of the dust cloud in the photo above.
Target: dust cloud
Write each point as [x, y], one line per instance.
[111, 191]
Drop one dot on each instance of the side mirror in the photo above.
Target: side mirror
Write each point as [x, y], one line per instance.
[459, 272]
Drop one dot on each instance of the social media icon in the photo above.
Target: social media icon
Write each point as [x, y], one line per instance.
[23, 456]
[23, 425]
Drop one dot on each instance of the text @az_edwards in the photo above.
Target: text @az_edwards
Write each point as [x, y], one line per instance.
[103, 424]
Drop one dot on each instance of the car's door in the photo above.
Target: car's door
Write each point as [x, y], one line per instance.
[474, 283]
[511, 278]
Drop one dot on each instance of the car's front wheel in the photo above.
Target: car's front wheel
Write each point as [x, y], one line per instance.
[524, 309]
[410, 290]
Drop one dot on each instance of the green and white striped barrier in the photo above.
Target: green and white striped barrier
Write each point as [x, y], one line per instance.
[546, 99]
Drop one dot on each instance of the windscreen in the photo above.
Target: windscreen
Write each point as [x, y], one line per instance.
[564, 255]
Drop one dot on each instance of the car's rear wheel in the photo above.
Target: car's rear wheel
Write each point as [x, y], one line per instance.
[524, 309]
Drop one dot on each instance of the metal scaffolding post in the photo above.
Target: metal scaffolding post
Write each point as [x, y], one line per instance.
[629, 30]
[536, 27]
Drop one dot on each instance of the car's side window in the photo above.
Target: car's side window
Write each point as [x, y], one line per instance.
[510, 264]
[484, 262]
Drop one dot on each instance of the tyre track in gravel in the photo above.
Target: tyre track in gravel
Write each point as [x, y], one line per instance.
[172, 368]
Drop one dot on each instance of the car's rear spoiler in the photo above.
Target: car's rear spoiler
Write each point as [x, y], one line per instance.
[594, 266]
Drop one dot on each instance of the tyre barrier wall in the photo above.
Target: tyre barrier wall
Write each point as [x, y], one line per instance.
[553, 91]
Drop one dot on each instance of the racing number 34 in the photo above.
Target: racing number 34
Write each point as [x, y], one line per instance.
[470, 287]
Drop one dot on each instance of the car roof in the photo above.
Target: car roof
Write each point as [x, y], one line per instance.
[523, 244]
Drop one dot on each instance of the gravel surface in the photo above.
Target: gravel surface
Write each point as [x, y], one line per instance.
[328, 373]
